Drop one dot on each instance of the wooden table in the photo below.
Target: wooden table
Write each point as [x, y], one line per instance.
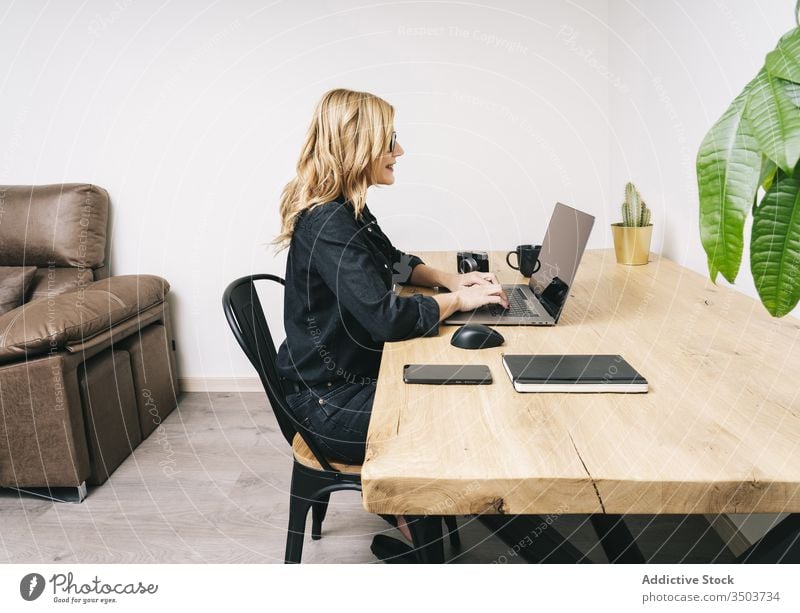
[719, 431]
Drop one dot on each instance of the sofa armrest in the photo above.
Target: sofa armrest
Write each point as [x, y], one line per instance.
[47, 326]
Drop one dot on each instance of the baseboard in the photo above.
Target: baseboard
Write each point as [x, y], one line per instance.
[220, 384]
[729, 532]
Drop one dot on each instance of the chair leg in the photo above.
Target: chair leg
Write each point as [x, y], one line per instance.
[299, 504]
[298, 512]
[452, 530]
[311, 489]
[318, 510]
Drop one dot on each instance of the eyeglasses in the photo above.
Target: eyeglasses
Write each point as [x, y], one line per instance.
[392, 142]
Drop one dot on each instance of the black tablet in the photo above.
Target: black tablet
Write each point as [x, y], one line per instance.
[447, 374]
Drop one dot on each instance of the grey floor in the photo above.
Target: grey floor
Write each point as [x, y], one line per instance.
[212, 487]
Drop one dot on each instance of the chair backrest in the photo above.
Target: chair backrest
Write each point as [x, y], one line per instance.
[246, 318]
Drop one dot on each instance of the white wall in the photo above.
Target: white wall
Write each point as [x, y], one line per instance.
[682, 63]
[192, 115]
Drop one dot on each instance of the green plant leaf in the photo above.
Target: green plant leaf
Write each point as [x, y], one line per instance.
[728, 169]
[775, 119]
[784, 60]
[775, 245]
[768, 170]
[793, 92]
[712, 271]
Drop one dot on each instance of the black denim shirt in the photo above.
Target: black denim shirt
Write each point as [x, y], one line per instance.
[339, 307]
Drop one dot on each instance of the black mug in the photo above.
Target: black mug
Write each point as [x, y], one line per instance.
[527, 259]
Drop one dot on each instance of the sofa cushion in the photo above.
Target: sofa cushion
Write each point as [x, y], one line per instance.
[49, 325]
[14, 284]
[51, 281]
[53, 225]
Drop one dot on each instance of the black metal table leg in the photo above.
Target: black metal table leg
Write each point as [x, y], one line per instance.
[452, 530]
[616, 540]
[779, 545]
[426, 533]
[533, 543]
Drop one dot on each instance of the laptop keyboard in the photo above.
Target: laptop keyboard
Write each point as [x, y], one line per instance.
[518, 306]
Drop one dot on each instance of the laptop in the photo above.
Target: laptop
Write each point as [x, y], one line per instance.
[541, 301]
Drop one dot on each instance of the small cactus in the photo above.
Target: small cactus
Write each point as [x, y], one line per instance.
[634, 210]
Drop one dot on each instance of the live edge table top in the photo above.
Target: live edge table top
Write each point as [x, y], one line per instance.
[718, 432]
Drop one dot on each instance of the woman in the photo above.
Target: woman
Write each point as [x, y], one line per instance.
[339, 306]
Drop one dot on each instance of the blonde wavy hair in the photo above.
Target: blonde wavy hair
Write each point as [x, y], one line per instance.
[349, 132]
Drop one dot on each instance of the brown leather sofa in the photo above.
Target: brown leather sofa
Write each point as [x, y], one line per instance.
[87, 361]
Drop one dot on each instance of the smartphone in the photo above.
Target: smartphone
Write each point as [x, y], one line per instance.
[447, 374]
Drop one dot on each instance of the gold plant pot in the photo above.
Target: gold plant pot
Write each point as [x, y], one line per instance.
[632, 244]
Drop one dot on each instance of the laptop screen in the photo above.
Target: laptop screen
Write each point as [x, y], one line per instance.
[562, 248]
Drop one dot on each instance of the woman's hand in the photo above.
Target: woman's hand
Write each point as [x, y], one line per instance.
[470, 298]
[480, 294]
[468, 292]
[458, 282]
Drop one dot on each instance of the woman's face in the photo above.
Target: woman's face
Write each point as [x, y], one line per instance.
[384, 165]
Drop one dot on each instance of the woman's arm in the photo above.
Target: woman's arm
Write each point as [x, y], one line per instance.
[428, 276]
[346, 263]
[469, 291]
[469, 298]
[448, 304]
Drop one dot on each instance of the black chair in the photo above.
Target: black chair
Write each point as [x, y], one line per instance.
[314, 477]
